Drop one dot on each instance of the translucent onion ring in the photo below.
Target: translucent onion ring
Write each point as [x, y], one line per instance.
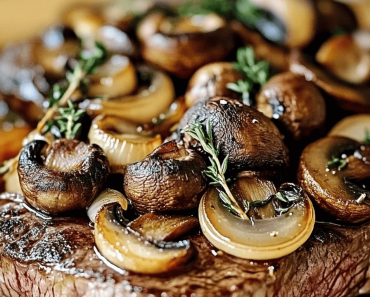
[265, 240]
[121, 141]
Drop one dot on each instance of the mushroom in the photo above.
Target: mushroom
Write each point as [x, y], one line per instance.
[128, 250]
[278, 20]
[154, 96]
[348, 96]
[334, 172]
[158, 227]
[356, 127]
[211, 80]
[249, 138]
[266, 239]
[169, 179]
[116, 77]
[345, 59]
[53, 49]
[295, 104]
[63, 177]
[121, 141]
[182, 45]
[361, 9]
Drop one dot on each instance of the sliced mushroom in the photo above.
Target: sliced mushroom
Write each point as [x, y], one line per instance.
[266, 239]
[249, 138]
[355, 127]
[149, 102]
[348, 96]
[339, 189]
[182, 45]
[211, 80]
[169, 179]
[121, 141]
[278, 20]
[158, 227]
[361, 9]
[127, 250]
[53, 49]
[65, 177]
[295, 104]
[116, 77]
[344, 58]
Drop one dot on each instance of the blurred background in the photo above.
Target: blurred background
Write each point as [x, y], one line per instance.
[23, 18]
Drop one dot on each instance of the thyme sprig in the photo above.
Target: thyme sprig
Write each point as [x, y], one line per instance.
[367, 137]
[256, 73]
[89, 61]
[337, 162]
[216, 172]
[68, 121]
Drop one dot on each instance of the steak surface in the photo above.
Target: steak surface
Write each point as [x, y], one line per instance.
[57, 258]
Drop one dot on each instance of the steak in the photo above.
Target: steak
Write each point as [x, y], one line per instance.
[40, 257]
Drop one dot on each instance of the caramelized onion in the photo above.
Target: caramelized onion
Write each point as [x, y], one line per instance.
[353, 127]
[121, 141]
[116, 77]
[266, 239]
[128, 251]
[344, 58]
[142, 107]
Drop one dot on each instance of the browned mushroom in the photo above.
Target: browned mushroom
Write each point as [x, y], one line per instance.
[182, 45]
[361, 9]
[334, 171]
[169, 179]
[211, 80]
[249, 138]
[347, 96]
[53, 48]
[355, 127]
[296, 104]
[64, 177]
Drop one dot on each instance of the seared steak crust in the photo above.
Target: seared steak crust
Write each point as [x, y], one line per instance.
[56, 258]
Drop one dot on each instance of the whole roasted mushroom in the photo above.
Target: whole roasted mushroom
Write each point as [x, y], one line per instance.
[63, 177]
[211, 80]
[294, 103]
[169, 179]
[249, 138]
[334, 171]
[182, 45]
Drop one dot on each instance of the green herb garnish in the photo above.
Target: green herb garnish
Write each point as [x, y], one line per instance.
[247, 12]
[367, 137]
[216, 172]
[223, 8]
[256, 73]
[89, 61]
[336, 162]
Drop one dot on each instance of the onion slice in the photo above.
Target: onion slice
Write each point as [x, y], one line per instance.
[353, 127]
[121, 141]
[266, 239]
[116, 77]
[106, 197]
[127, 250]
[143, 106]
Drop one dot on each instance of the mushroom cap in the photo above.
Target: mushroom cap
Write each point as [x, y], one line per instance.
[66, 177]
[250, 139]
[336, 191]
[169, 179]
[295, 103]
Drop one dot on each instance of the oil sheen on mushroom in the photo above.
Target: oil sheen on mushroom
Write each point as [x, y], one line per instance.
[169, 179]
[294, 103]
[341, 191]
[250, 139]
[64, 177]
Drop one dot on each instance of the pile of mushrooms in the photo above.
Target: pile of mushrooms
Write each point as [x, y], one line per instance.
[147, 178]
